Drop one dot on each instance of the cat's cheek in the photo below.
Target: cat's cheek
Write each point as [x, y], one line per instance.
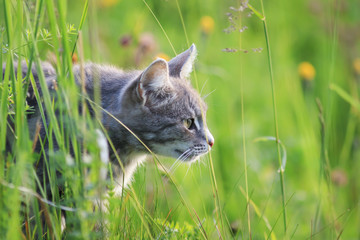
[174, 150]
[163, 150]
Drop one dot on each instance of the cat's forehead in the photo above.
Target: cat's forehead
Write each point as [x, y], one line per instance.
[187, 97]
[180, 102]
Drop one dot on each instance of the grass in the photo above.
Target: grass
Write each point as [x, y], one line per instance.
[236, 192]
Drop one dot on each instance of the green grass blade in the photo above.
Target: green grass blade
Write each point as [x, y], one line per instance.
[160, 25]
[345, 96]
[82, 20]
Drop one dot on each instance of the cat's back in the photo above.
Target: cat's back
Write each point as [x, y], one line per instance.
[108, 78]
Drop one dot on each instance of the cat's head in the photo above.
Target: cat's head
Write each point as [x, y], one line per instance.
[172, 113]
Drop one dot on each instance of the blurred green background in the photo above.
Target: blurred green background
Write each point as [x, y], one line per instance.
[315, 48]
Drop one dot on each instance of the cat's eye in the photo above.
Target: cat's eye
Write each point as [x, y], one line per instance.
[188, 123]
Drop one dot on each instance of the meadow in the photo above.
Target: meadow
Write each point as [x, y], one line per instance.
[281, 81]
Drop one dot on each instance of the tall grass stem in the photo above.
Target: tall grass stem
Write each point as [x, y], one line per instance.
[273, 91]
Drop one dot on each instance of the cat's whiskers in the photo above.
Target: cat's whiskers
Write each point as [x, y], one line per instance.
[202, 88]
[185, 157]
[180, 157]
[189, 166]
[204, 97]
[175, 165]
[200, 167]
[186, 154]
[178, 161]
[202, 161]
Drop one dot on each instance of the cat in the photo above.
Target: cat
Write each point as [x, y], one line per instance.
[157, 104]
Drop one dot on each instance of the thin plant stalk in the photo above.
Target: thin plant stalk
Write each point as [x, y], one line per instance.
[281, 172]
[262, 17]
[244, 140]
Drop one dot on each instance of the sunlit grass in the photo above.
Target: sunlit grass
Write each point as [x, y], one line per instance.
[236, 192]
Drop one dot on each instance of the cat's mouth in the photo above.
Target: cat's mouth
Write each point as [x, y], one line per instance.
[192, 153]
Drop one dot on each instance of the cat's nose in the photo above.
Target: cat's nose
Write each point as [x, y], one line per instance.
[211, 142]
[210, 138]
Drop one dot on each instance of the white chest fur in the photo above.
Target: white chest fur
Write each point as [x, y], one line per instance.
[131, 163]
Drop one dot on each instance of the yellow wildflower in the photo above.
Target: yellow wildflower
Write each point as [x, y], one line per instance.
[356, 65]
[306, 71]
[163, 56]
[207, 24]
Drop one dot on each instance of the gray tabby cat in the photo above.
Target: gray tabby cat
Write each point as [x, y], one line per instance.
[158, 105]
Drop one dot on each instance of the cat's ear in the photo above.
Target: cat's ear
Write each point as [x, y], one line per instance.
[181, 65]
[155, 78]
